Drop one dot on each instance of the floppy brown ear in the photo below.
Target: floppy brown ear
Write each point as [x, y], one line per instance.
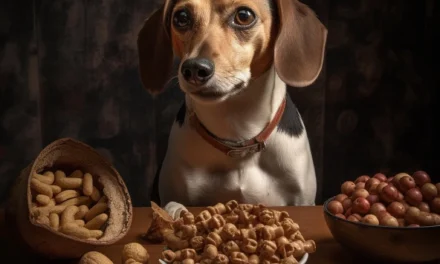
[300, 45]
[155, 52]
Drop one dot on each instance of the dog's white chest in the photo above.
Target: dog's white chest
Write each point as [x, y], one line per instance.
[250, 184]
[195, 174]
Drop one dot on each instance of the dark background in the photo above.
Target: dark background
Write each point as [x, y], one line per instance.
[68, 68]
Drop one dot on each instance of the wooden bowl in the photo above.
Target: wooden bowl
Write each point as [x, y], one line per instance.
[68, 154]
[390, 244]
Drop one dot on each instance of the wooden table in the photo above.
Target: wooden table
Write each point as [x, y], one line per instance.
[310, 219]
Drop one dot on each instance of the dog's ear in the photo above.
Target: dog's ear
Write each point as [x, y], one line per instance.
[300, 45]
[155, 50]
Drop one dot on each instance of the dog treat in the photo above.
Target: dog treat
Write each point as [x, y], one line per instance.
[231, 233]
[72, 205]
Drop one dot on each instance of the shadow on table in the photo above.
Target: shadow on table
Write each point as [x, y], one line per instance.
[331, 250]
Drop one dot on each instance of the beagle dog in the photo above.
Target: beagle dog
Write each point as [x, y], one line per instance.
[238, 135]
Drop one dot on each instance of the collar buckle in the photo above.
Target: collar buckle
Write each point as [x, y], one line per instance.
[245, 151]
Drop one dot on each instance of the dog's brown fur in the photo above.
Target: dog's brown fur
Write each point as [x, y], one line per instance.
[294, 42]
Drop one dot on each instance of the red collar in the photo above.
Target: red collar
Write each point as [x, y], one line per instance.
[245, 148]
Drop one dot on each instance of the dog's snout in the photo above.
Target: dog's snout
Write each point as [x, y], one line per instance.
[197, 71]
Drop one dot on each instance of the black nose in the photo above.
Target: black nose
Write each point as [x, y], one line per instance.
[197, 71]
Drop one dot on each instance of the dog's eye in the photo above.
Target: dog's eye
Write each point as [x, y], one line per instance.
[244, 17]
[182, 19]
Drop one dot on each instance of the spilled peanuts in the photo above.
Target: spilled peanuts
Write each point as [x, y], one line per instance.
[73, 205]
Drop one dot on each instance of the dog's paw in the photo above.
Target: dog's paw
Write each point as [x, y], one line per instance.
[175, 209]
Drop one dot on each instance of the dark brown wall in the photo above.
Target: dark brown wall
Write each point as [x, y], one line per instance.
[69, 68]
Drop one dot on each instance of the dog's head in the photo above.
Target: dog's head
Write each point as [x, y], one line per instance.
[222, 44]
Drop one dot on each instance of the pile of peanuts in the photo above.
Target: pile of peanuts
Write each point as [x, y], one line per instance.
[72, 204]
[235, 233]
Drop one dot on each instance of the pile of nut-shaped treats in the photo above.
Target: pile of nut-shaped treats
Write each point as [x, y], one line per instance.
[73, 205]
[235, 233]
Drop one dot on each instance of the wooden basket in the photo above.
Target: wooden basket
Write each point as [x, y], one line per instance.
[68, 154]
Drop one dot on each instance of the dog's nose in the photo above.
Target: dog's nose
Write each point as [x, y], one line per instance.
[197, 71]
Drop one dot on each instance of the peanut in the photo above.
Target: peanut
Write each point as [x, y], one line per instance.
[67, 183]
[94, 257]
[55, 189]
[80, 222]
[47, 178]
[41, 188]
[136, 252]
[50, 204]
[82, 210]
[54, 220]
[43, 220]
[68, 214]
[59, 205]
[82, 200]
[97, 221]
[43, 199]
[76, 174]
[103, 199]
[88, 184]
[66, 195]
[58, 209]
[96, 196]
[72, 229]
[96, 210]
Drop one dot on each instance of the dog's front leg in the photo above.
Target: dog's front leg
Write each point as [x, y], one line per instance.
[175, 209]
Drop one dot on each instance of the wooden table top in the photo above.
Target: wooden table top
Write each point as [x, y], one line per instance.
[310, 219]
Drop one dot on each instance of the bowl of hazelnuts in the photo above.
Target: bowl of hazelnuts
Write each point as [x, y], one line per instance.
[389, 218]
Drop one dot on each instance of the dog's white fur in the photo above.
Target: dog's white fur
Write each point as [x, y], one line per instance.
[196, 174]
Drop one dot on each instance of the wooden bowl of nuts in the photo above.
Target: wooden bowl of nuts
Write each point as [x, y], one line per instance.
[392, 219]
[69, 201]
[233, 233]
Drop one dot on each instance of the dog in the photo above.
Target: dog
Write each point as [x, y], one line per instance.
[238, 135]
